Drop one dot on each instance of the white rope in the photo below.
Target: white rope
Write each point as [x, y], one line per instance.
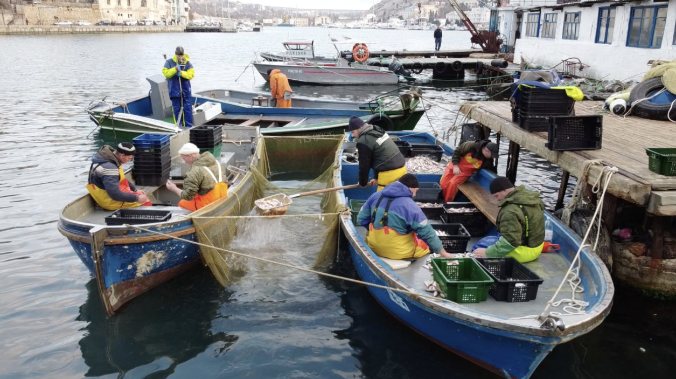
[669, 112]
[641, 100]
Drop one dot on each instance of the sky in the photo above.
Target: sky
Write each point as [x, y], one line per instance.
[316, 4]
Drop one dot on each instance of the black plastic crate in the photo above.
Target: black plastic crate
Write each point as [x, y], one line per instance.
[422, 149]
[136, 216]
[473, 220]
[433, 210]
[154, 166]
[206, 131]
[456, 240]
[152, 150]
[404, 148]
[428, 191]
[537, 93]
[147, 178]
[513, 282]
[575, 133]
[206, 144]
[159, 154]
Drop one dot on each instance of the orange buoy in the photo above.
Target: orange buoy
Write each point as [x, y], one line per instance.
[360, 52]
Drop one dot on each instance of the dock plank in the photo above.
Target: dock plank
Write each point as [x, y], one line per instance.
[480, 197]
[624, 143]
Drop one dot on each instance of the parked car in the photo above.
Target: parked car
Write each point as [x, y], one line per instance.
[160, 23]
[131, 22]
[83, 23]
[117, 23]
[146, 21]
[64, 22]
[103, 23]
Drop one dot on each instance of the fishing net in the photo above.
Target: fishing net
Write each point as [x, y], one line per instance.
[232, 232]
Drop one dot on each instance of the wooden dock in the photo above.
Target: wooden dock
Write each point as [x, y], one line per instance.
[623, 146]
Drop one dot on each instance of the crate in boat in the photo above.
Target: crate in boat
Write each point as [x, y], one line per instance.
[513, 282]
[464, 282]
[136, 216]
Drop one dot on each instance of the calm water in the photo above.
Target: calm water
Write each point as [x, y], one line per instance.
[271, 324]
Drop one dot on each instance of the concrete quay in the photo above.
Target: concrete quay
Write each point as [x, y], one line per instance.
[91, 29]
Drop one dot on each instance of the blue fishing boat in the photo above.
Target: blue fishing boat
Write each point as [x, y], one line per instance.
[507, 338]
[153, 113]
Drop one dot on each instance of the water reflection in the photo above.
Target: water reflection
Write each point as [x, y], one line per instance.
[157, 331]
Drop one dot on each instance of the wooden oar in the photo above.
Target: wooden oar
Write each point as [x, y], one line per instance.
[285, 201]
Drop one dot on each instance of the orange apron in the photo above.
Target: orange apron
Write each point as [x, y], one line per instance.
[103, 199]
[449, 182]
[201, 201]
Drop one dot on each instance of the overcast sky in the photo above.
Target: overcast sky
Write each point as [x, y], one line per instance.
[316, 4]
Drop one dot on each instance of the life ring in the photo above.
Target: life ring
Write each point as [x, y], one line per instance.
[360, 52]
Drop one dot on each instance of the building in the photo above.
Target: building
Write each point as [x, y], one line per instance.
[127, 10]
[322, 20]
[300, 21]
[480, 17]
[611, 39]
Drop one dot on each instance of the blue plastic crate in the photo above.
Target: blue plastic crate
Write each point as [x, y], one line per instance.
[151, 141]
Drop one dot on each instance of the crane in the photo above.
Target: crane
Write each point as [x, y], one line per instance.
[487, 39]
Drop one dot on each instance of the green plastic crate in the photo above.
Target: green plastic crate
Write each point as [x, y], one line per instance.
[662, 160]
[215, 151]
[466, 282]
[355, 207]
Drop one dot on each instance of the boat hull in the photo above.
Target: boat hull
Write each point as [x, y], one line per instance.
[313, 74]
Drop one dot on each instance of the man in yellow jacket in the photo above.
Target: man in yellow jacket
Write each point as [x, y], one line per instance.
[280, 89]
[179, 72]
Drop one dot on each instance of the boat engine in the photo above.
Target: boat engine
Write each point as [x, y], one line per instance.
[398, 68]
[347, 55]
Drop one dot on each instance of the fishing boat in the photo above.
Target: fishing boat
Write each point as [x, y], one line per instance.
[125, 261]
[152, 113]
[298, 51]
[507, 338]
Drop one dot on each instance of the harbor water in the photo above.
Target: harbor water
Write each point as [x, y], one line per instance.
[270, 324]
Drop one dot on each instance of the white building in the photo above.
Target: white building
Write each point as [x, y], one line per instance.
[480, 17]
[453, 17]
[127, 10]
[615, 40]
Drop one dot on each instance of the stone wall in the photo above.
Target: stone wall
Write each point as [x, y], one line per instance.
[52, 29]
[48, 14]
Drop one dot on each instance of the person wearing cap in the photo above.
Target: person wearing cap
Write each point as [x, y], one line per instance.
[179, 72]
[521, 223]
[467, 159]
[280, 90]
[106, 182]
[397, 227]
[204, 183]
[376, 151]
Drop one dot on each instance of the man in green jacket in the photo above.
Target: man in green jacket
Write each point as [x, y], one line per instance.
[377, 151]
[521, 223]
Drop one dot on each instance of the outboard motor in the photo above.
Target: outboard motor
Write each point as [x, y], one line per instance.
[347, 55]
[398, 68]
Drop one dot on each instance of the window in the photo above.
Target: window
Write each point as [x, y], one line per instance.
[606, 24]
[119, 2]
[108, 2]
[533, 25]
[646, 26]
[129, 3]
[549, 26]
[144, 3]
[571, 25]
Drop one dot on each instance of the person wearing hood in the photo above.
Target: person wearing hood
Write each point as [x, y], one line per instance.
[376, 151]
[279, 88]
[521, 223]
[397, 227]
[203, 183]
[467, 159]
[107, 184]
[179, 72]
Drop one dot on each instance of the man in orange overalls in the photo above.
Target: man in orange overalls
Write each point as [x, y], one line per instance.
[280, 89]
[204, 182]
[466, 161]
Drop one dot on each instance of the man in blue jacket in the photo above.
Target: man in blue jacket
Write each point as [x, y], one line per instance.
[179, 72]
[398, 229]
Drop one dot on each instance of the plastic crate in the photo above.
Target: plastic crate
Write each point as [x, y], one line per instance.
[428, 191]
[534, 123]
[215, 151]
[163, 153]
[662, 160]
[457, 239]
[465, 282]
[355, 207]
[541, 94]
[136, 216]
[474, 221]
[151, 141]
[155, 151]
[422, 149]
[152, 166]
[152, 179]
[206, 130]
[432, 213]
[206, 143]
[575, 133]
[404, 148]
[513, 282]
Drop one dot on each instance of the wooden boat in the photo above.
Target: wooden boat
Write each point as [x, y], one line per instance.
[127, 262]
[492, 334]
[297, 51]
[153, 113]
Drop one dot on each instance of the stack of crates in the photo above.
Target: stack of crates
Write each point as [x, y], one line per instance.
[208, 138]
[152, 161]
[536, 105]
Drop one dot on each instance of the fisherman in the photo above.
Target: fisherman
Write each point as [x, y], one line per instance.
[280, 89]
[179, 72]
[398, 228]
[204, 182]
[467, 159]
[107, 184]
[437, 38]
[521, 223]
[376, 151]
